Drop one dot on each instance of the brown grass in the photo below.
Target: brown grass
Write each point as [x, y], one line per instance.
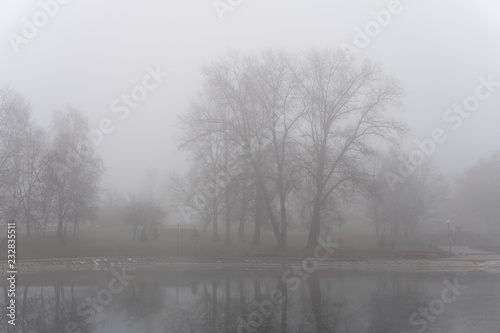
[109, 242]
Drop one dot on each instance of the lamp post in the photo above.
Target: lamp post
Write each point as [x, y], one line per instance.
[449, 234]
[178, 224]
[177, 285]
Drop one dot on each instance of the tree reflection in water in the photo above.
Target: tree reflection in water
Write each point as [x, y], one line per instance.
[221, 301]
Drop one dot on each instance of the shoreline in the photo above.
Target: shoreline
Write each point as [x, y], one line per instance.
[452, 264]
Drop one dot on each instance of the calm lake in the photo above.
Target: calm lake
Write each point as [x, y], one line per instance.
[256, 301]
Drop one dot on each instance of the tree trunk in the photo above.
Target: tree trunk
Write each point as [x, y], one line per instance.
[319, 178]
[28, 225]
[227, 217]
[257, 216]
[75, 222]
[314, 231]
[65, 229]
[45, 220]
[28, 222]
[215, 236]
[60, 223]
[243, 211]
[282, 244]
[261, 193]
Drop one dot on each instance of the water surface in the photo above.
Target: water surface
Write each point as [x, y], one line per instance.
[257, 301]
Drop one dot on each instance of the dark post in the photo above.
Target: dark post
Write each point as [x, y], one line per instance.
[177, 238]
[449, 234]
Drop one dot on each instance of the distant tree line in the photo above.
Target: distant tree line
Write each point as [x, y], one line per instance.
[477, 199]
[275, 140]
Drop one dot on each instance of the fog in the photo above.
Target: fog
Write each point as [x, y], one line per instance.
[91, 52]
[232, 165]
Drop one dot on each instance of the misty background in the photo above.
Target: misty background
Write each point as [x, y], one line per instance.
[241, 152]
[92, 52]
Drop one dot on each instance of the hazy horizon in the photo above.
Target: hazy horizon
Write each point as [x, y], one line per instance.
[90, 53]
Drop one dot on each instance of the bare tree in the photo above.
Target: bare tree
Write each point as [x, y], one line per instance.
[345, 105]
[29, 168]
[418, 200]
[14, 120]
[206, 141]
[275, 92]
[75, 170]
[145, 214]
[262, 113]
[47, 205]
[321, 115]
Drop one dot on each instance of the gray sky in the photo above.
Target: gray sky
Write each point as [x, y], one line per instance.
[91, 52]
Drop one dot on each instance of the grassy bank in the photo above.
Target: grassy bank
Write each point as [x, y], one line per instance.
[102, 242]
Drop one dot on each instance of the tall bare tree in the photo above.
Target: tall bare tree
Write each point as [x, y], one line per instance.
[14, 121]
[29, 169]
[320, 114]
[260, 95]
[345, 116]
[206, 141]
[75, 170]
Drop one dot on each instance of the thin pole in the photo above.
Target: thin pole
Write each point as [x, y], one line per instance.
[449, 235]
